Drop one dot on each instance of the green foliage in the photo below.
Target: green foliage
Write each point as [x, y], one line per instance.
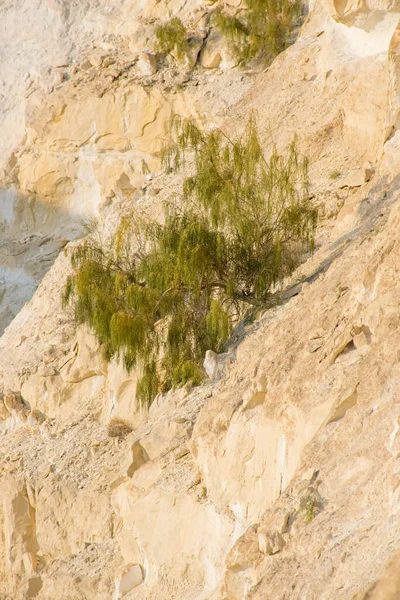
[148, 385]
[187, 371]
[161, 295]
[218, 325]
[172, 37]
[256, 213]
[311, 505]
[335, 175]
[262, 31]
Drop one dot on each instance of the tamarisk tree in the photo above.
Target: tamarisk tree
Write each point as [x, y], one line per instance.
[261, 31]
[159, 295]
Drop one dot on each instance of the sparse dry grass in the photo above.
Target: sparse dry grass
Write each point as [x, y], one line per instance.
[118, 428]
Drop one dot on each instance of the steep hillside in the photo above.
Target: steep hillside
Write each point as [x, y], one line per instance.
[280, 479]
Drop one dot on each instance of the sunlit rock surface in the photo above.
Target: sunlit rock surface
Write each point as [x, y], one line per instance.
[279, 478]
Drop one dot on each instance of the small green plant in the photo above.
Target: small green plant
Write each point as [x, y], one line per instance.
[310, 505]
[172, 38]
[335, 175]
[263, 30]
[160, 295]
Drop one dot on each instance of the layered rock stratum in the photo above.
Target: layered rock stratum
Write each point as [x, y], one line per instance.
[282, 478]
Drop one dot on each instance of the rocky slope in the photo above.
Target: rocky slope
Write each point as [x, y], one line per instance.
[280, 480]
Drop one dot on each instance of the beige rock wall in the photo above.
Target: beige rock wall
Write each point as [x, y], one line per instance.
[84, 123]
[281, 479]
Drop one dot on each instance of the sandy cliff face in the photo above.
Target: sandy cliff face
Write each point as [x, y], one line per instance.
[281, 480]
[83, 120]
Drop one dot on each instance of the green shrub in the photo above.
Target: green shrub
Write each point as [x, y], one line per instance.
[172, 38]
[310, 505]
[161, 295]
[335, 175]
[261, 31]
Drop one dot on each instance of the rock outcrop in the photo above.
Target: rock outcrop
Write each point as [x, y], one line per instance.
[84, 123]
[279, 478]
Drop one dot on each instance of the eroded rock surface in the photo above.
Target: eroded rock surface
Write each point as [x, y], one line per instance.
[279, 478]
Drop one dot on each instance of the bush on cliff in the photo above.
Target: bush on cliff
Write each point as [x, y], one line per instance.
[172, 38]
[261, 31]
[159, 295]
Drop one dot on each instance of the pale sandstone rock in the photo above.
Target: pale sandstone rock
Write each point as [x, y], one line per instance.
[79, 140]
[216, 53]
[147, 64]
[131, 577]
[30, 563]
[210, 57]
[255, 395]
[190, 57]
[357, 178]
[96, 60]
[211, 364]
[34, 586]
[16, 405]
[202, 494]
[217, 365]
[18, 527]
[4, 412]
